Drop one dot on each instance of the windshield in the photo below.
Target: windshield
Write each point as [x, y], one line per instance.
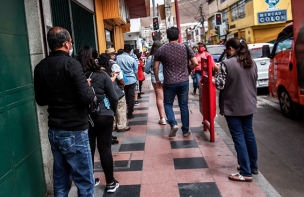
[216, 50]
[257, 52]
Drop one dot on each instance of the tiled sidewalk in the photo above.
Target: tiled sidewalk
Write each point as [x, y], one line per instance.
[148, 163]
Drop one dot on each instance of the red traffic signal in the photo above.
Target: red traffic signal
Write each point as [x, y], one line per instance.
[155, 23]
[218, 19]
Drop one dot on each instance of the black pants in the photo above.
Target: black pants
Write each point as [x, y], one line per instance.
[102, 130]
[130, 97]
[140, 86]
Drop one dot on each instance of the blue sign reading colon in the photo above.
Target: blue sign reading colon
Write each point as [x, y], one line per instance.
[272, 16]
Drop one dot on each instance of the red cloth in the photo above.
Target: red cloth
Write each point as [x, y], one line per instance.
[140, 71]
[199, 59]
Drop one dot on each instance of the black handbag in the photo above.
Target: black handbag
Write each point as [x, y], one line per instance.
[118, 91]
[188, 60]
[94, 109]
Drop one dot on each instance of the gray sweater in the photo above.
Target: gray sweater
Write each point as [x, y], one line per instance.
[239, 96]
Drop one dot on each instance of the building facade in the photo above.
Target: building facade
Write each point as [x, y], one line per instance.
[255, 21]
[27, 163]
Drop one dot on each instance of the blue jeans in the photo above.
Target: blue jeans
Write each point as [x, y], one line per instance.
[198, 75]
[181, 90]
[195, 82]
[72, 157]
[244, 141]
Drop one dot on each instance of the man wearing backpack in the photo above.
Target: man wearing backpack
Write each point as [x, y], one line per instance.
[174, 57]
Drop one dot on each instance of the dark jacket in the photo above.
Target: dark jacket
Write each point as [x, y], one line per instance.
[239, 96]
[103, 85]
[60, 83]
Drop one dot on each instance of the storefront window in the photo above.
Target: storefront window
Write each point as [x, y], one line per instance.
[241, 9]
[109, 39]
[234, 10]
[212, 22]
[225, 16]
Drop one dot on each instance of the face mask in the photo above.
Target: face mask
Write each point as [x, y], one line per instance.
[115, 58]
[201, 49]
[70, 50]
[195, 51]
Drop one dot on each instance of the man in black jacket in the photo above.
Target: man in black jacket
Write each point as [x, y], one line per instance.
[60, 83]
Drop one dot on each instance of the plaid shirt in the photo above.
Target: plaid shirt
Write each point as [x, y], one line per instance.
[221, 77]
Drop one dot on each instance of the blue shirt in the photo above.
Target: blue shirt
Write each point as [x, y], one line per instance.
[149, 69]
[129, 66]
[135, 57]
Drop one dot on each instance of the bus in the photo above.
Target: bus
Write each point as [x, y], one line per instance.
[286, 70]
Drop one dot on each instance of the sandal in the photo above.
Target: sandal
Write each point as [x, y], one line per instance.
[252, 171]
[238, 177]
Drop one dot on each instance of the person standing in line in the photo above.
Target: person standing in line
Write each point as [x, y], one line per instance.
[102, 124]
[134, 55]
[140, 74]
[120, 120]
[159, 90]
[236, 81]
[195, 82]
[173, 56]
[60, 84]
[130, 67]
[201, 55]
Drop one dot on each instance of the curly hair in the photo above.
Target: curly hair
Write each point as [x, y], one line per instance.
[242, 51]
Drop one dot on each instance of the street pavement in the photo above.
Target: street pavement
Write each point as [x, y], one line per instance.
[280, 144]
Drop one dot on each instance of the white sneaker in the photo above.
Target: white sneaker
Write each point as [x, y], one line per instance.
[187, 134]
[162, 121]
[173, 131]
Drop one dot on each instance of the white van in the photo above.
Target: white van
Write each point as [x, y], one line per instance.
[261, 62]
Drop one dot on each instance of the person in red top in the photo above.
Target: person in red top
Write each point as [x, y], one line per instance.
[140, 73]
[201, 54]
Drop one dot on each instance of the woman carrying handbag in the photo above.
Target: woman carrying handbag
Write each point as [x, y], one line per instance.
[102, 124]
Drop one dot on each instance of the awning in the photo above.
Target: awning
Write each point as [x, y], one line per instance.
[138, 8]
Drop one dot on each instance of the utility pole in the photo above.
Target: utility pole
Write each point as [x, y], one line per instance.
[153, 4]
[202, 20]
[178, 21]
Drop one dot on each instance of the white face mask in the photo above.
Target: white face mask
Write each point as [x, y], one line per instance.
[70, 50]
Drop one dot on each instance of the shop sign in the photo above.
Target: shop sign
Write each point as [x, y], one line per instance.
[272, 16]
[272, 4]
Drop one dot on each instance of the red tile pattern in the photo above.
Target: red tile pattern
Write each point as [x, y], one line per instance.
[159, 176]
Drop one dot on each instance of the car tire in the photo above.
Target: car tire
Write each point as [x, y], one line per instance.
[286, 104]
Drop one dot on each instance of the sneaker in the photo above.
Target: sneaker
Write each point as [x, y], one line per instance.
[114, 141]
[125, 129]
[114, 137]
[129, 117]
[136, 103]
[162, 121]
[173, 131]
[186, 134]
[112, 188]
[97, 181]
[194, 92]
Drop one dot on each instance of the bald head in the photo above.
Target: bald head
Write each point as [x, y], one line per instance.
[56, 37]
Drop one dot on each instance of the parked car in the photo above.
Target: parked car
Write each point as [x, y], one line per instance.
[216, 51]
[261, 61]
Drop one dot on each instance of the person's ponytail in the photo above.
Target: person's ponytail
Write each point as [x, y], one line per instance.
[242, 52]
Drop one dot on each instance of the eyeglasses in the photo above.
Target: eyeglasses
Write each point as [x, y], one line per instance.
[72, 42]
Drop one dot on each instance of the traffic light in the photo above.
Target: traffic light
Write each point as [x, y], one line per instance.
[153, 36]
[217, 30]
[218, 19]
[155, 23]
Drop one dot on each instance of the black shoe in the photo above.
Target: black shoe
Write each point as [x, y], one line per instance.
[112, 188]
[114, 141]
[114, 137]
[142, 93]
[97, 181]
[130, 116]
